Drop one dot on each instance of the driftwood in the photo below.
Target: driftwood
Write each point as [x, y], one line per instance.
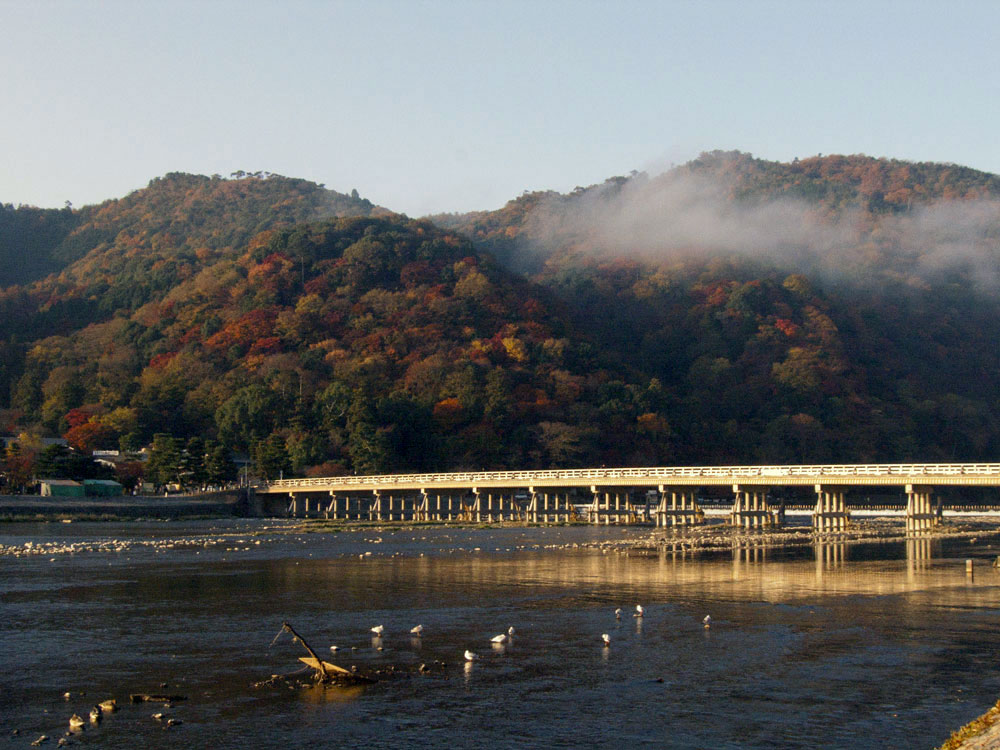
[326, 672]
[318, 665]
[156, 698]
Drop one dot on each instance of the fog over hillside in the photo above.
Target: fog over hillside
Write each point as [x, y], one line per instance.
[688, 216]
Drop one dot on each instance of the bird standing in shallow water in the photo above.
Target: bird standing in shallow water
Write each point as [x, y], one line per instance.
[378, 630]
[639, 611]
[510, 631]
[502, 638]
[618, 613]
[418, 630]
[606, 638]
[470, 656]
[708, 621]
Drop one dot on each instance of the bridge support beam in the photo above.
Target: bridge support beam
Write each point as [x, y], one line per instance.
[608, 506]
[548, 506]
[750, 508]
[678, 506]
[831, 512]
[920, 516]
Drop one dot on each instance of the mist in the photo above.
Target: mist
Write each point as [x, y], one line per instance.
[680, 216]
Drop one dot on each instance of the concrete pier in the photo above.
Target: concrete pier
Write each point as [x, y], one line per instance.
[678, 506]
[831, 512]
[920, 516]
[750, 508]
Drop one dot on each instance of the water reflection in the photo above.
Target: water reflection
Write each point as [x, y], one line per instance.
[829, 556]
[331, 693]
[918, 556]
[834, 661]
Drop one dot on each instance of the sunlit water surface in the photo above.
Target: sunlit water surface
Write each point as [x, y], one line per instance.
[887, 646]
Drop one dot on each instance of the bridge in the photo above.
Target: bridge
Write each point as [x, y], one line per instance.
[664, 496]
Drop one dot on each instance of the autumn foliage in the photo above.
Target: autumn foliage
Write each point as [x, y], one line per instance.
[222, 309]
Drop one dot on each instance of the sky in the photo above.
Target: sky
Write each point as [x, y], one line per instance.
[428, 107]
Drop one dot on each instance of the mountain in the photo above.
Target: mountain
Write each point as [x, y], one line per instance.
[830, 309]
[368, 341]
[29, 241]
[730, 310]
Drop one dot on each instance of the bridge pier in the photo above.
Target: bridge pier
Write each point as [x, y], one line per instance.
[421, 507]
[477, 505]
[750, 508]
[678, 506]
[830, 513]
[920, 516]
[548, 507]
[606, 507]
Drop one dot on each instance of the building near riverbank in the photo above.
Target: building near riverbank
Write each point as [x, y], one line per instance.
[60, 488]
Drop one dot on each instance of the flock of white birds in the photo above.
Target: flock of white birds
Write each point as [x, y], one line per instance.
[502, 638]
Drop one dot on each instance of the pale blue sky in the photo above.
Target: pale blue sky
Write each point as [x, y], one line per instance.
[454, 106]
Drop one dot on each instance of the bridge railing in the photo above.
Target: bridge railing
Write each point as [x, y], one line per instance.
[526, 478]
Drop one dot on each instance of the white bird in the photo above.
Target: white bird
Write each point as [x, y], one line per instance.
[469, 656]
[606, 638]
[708, 621]
[510, 631]
[618, 613]
[639, 611]
[333, 648]
[417, 630]
[502, 638]
[378, 630]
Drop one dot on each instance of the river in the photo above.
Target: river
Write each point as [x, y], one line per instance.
[886, 645]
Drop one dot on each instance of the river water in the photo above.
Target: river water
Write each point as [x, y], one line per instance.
[885, 645]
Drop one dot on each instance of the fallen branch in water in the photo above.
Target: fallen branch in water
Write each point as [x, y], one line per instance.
[296, 637]
[325, 671]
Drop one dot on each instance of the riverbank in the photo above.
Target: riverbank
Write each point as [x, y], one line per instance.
[124, 508]
[981, 734]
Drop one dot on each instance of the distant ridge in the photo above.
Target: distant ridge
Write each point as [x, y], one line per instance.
[836, 309]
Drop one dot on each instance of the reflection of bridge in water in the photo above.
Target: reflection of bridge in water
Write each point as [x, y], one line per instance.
[828, 555]
[831, 569]
[666, 496]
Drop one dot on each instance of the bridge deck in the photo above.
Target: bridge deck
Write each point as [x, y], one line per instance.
[845, 475]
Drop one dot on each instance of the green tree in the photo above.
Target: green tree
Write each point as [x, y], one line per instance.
[193, 462]
[219, 467]
[271, 458]
[165, 460]
[247, 416]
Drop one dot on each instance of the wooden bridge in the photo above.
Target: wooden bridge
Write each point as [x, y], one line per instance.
[661, 495]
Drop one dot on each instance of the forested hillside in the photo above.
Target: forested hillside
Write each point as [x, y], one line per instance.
[30, 239]
[831, 309]
[730, 310]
